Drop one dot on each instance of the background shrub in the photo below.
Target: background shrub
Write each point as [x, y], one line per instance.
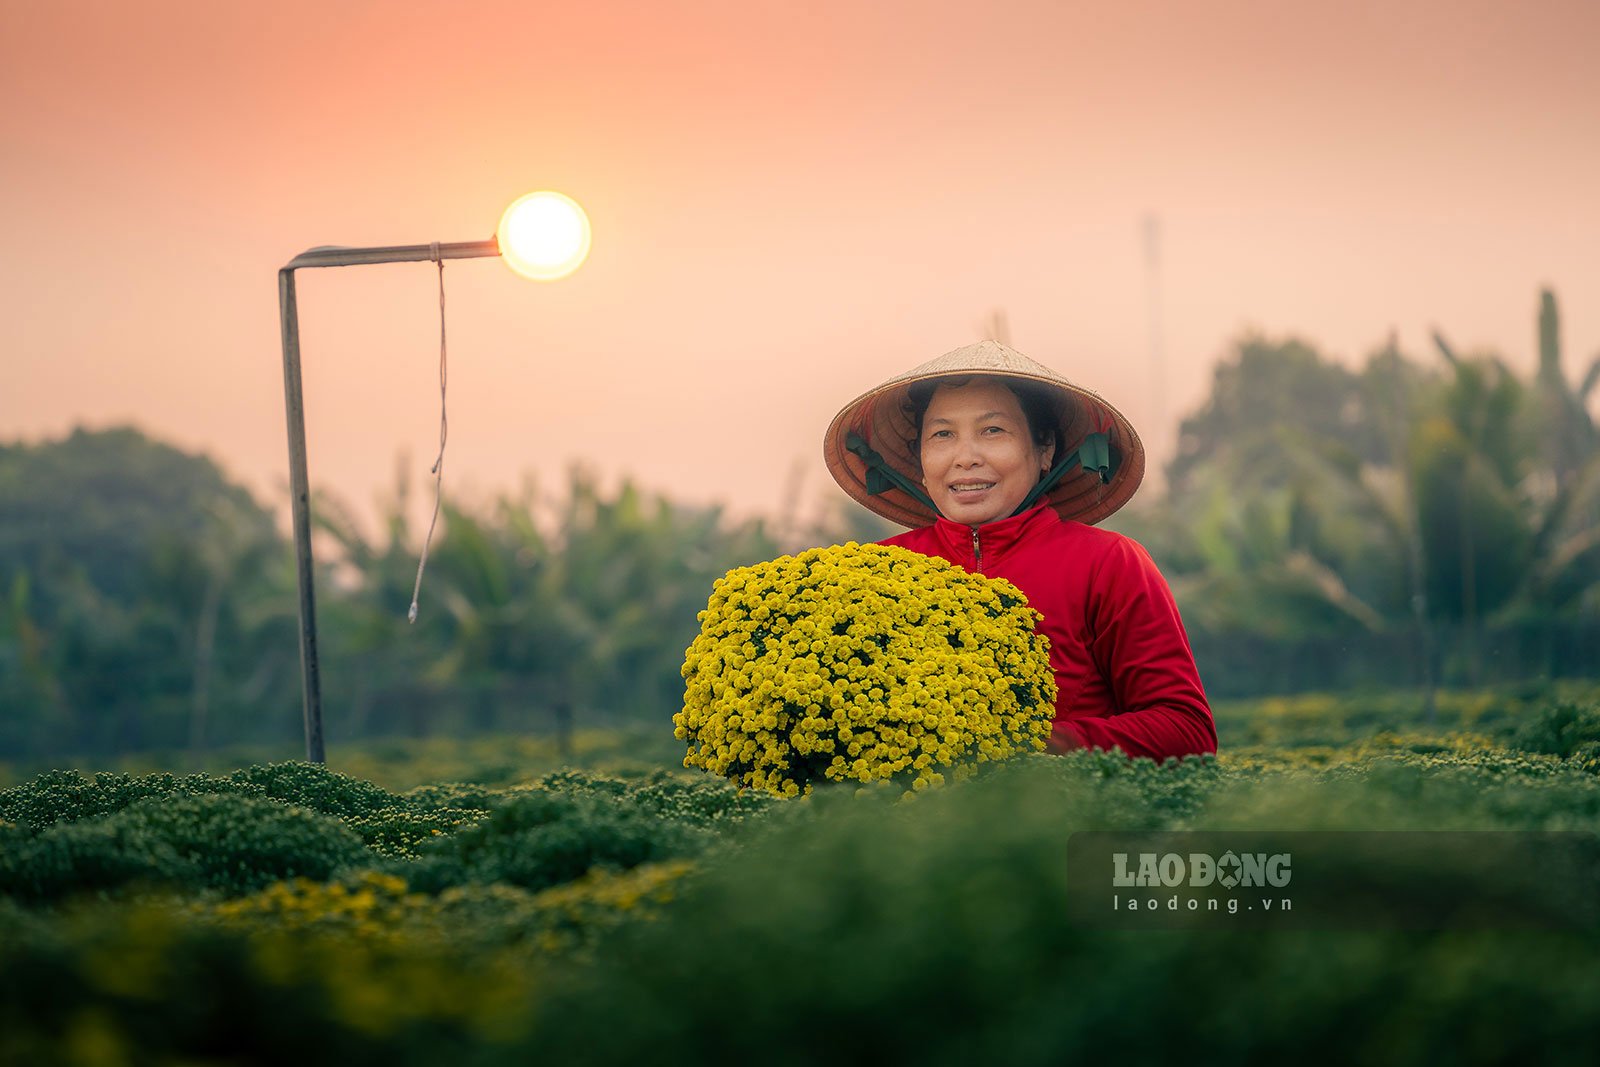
[543, 838]
[1559, 730]
[224, 842]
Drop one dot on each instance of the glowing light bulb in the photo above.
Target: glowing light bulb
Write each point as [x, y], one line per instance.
[544, 236]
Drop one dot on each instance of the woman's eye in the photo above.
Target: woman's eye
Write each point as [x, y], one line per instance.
[994, 429]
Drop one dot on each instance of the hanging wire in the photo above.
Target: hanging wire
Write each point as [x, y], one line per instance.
[444, 432]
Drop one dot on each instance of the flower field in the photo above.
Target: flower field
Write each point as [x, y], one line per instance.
[281, 912]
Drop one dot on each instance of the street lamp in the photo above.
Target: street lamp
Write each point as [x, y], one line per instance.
[543, 236]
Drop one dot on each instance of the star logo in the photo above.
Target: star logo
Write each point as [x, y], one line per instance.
[1228, 868]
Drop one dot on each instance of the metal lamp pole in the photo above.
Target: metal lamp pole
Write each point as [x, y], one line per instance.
[294, 403]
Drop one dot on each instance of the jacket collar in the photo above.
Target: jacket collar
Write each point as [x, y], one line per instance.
[996, 538]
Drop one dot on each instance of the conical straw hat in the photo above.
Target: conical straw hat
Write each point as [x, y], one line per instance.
[881, 418]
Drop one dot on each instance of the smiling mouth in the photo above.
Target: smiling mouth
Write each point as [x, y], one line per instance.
[966, 488]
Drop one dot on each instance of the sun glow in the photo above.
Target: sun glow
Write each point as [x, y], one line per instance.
[544, 236]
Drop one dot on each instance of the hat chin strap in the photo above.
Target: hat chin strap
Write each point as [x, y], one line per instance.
[1094, 454]
[881, 477]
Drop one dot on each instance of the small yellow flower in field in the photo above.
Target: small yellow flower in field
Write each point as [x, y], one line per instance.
[862, 663]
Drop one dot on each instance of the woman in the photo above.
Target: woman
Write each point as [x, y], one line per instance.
[972, 451]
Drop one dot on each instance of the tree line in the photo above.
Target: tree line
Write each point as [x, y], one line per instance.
[150, 603]
[1423, 520]
[1414, 521]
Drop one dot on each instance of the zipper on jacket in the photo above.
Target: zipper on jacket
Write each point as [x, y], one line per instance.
[977, 552]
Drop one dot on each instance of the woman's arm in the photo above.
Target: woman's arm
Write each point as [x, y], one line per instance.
[1141, 648]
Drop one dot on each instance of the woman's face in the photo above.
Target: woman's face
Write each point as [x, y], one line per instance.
[978, 458]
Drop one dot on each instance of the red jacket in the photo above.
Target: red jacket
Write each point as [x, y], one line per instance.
[1124, 670]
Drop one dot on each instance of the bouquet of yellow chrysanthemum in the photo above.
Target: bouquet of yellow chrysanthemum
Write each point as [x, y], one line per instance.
[862, 663]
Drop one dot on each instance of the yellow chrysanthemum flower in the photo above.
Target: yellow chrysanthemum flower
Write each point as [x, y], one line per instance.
[862, 663]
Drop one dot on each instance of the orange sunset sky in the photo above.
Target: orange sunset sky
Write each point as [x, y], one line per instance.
[790, 201]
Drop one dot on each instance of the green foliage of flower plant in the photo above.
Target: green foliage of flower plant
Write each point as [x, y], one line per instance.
[1565, 729]
[227, 842]
[150, 982]
[668, 917]
[314, 786]
[70, 796]
[402, 831]
[694, 799]
[546, 837]
[946, 918]
[375, 905]
[66, 833]
[862, 663]
[1339, 719]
